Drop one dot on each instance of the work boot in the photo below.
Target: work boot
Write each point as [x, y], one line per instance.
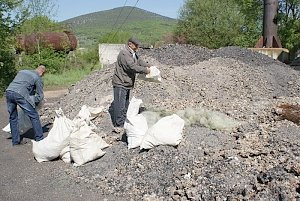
[22, 142]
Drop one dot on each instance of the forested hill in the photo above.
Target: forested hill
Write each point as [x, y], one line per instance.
[150, 27]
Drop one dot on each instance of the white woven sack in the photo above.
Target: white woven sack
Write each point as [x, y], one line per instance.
[136, 128]
[85, 145]
[167, 131]
[133, 107]
[58, 138]
[95, 111]
[83, 129]
[153, 76]
[65, 154]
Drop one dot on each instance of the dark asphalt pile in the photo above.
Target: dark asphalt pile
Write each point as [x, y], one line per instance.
[258, 160]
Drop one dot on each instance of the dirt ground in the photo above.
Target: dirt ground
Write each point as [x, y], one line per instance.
[23, 178]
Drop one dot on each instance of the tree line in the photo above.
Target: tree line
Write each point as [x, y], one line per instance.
[219, 23]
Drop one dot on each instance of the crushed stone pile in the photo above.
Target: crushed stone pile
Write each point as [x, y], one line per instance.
[258, 160]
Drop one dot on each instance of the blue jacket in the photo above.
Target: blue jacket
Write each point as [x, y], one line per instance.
[28, 83]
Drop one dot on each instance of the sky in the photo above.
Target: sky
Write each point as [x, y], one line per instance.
[67, 9]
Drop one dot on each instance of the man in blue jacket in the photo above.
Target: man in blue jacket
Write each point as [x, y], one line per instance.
[25, 91]
[127, 66]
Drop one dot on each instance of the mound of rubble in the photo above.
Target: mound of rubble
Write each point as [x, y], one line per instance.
[258, 160]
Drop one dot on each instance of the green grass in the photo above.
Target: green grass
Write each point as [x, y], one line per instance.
[67, 78]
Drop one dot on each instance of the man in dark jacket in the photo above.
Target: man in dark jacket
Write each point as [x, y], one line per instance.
[25, 91]
[127, 66]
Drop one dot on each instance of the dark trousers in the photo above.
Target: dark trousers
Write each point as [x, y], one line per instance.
[13, 100]
[119, 106]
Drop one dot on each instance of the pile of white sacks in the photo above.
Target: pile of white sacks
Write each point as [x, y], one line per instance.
[166, 131]
[74, 141]
[71, 140]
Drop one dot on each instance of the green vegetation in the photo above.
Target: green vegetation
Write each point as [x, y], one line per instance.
[215, 24]
[211, 23]
[68, 77]
[59, 62]
[38, 23]
[8, 25]
[289, 21]
[149, 27]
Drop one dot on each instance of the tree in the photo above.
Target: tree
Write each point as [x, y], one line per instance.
[40, 14]
[289, 25]
[40, 24]
[10, 21]
[252, 28]
[40, 7]
[211, 24]
[39, 20]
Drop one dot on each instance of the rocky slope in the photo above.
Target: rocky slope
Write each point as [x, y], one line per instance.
[258, 160]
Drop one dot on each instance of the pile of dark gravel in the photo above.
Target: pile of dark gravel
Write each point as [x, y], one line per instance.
[259, 160]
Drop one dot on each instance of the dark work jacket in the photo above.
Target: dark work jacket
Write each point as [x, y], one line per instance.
[127, 66]
[28, 84]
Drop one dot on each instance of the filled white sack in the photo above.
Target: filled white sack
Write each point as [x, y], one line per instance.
[135, 124]
[167, 131]
[65, 154]
[58, 138]
[85, 145]
[85, 115]
[83, 129]
[136, 128]
[153, 76]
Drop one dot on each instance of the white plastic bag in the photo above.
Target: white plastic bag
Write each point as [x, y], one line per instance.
[153, 76]
[167, 131]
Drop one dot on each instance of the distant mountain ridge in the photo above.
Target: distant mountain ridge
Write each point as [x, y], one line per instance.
[149, 26]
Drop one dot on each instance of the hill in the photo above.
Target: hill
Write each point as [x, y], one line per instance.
[148, 26]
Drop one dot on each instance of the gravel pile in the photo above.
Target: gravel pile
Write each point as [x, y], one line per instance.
[258, 160]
